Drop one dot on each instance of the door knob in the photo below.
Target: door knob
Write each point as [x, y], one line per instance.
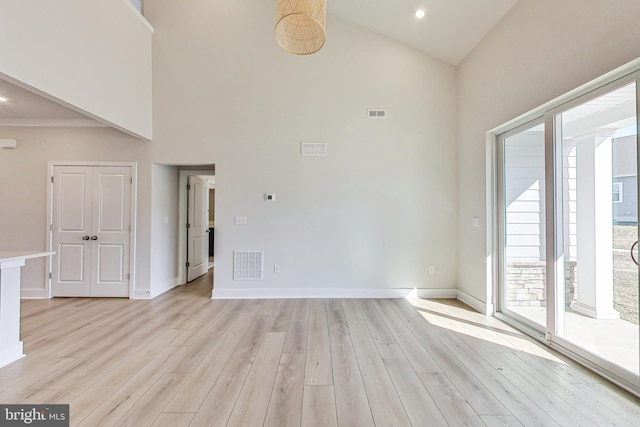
[94, 237]
[85, 238]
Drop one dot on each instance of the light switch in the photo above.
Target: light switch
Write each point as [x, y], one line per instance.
[476, 221]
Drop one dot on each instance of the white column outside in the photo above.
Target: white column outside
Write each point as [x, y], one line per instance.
[594, 219]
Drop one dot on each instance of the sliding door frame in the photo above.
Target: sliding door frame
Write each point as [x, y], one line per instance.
[549, 114]
[610, 370]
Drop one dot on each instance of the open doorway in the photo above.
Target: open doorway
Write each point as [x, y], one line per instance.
[200, 225]
[212, 219]
[197, 227]
[193, 230]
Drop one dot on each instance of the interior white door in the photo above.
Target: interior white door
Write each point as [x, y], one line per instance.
[91, 231]
[197, 228]
[72, 204]
[111, 229]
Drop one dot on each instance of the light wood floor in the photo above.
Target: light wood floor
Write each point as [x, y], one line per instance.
[185, 360]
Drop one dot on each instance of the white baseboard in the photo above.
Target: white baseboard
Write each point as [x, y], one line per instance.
[474, 303]
[158, 290]
[164, 287]
[141, 294]
[11, 353]
[33, 294]
[437, 293]
[330, 293]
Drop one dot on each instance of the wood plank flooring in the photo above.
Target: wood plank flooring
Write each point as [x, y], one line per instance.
[185, 360]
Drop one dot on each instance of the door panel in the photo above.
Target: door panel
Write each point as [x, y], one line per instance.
[198, 256]
[523, 292]
[598, 303]
[110, 262]
[70, 263]
[73, 201]
[197, 237]
[71, 231]
[111, 228]
[111, 188]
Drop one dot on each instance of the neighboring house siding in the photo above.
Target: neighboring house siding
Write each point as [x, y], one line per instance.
[625, 172]
[627, 209]
[524, 160]
[525, 207]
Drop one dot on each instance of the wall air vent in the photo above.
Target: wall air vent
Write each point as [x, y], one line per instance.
[248, 265]
[377, 114]
[313, 148]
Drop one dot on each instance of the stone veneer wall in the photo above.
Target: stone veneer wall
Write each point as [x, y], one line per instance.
[526, 283]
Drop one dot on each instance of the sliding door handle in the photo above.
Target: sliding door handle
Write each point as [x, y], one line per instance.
[633, 248]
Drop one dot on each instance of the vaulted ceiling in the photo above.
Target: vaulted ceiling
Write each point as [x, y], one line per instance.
[449, 31]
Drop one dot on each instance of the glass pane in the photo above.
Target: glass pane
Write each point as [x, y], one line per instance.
[525, 255]
[598, 310]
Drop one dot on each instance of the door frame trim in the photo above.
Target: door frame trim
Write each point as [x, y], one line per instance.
[134, 214]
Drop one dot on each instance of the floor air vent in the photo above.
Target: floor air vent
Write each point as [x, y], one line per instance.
[247, 265]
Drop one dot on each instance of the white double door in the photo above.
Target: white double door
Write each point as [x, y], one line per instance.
[91, 225]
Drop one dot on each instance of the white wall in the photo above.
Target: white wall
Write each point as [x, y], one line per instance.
[24, 184]
[164, 228]
[540, 50]
[92, 55]
[375, 212]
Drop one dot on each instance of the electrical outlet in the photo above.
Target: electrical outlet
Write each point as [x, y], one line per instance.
[432, 269]
[240, 220]
[276, 268]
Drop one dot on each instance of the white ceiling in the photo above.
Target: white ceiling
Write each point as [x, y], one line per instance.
[449, 32]
[451, 29]
[26, 105]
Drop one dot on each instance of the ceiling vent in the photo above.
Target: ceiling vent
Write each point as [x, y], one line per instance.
[377, 114]
[313, 148]
[248, 265]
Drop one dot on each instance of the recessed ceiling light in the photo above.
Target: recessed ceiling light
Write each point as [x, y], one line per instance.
[3, 99]
[420, 13]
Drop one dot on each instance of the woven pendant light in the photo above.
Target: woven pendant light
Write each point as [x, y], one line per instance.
[300, 25]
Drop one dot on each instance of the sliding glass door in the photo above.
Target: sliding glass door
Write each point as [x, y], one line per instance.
[524, 294]
[598, 295]
[567, 216]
